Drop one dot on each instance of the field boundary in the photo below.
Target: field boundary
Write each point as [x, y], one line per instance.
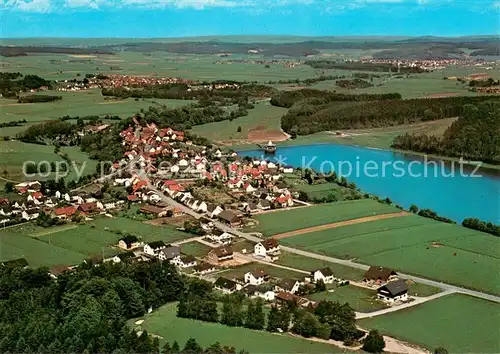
[341, 223]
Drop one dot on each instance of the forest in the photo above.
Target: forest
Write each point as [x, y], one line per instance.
[315, 115]
[474, 136]
[318, 97]
[12, 83]
[85, 310]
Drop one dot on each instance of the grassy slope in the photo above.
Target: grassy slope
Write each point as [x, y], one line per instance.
[460, 323]
[263, 116]
[289, 220]
[71, 245]
[466, 257]
[360, 299]
[164, 322]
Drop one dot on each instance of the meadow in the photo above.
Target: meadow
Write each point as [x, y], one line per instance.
[460, 323]
[360, 299]
[263, 117]
[71, 244]
[195, 249]
[163, 322]
[239, 272]
[288, 220]
[322, 190]
[416, 245]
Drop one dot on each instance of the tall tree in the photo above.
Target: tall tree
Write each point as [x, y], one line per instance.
[374, 342]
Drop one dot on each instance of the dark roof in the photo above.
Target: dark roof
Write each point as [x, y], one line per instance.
[157, 244]
[252, 206]
[286, 284]
[325, 271]
[395, 287]
[203, 266]
[129, 240]
[222, 251]
[270, 243]
[126, 256]
[19, 262]
[171, 251]
[228, 215]
[381, 273]
[249, 290]
[211, 207]
[225, 283]
[264, 202]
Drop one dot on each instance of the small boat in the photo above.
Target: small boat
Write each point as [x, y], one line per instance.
[269, 148]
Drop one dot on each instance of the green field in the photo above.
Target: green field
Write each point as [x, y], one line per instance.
[80, 103]
[460, 323]
[295, 219]
[164, 323]
[262, 117]
[71, 244]
[460, 255]
[239, 272]
[322, 190]
[360, 299]
[195, 249]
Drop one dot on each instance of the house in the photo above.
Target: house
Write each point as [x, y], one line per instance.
[89, 208]
[122, 257]
[269, 249]
[170, 253]
[204, 268]
[128, 242]
[225, 285]
[109, 204]
[286, 297]
[396, 290]
[265, 292]
[288, 169]
[285, 201]
[379, 275]
[187, 261]
[220, 254]
[30, 214]
[264, 204]
[154, 247]
[154, 210]
[288, 285]
[65, 212]
[257, 277]
[220, 236]
[229, 217]
[324, 274]
[251, 207]
[213, 210]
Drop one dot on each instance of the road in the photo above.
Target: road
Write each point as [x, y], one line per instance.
[224, 227]
[416, 301]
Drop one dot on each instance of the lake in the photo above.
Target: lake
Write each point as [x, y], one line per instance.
[449, 188]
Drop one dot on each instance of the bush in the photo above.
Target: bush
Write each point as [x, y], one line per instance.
[374, 342]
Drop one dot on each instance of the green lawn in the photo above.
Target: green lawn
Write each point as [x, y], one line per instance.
[70, 244]
[309, 264]
[195, 249]
[322, 190]
[460, 256]
[460, 323]
[164, 323]
[263, 116]
[360, 299]
[289, 220]
[239, 272]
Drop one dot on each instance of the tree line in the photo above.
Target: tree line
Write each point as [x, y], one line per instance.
[14, 123]
[476, 224]
[11, 83]
[474, 136]
[351, 84]
[317, 97]
[315, 115]
[353, 65]
[38, 98]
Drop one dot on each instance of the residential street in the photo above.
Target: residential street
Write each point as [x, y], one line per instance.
[224, 227]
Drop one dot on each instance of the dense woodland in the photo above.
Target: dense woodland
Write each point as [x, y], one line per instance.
[12, 83]
[85, 310]
[38, 98]
[314, 115]
[474, 136]
[377, 67]
[353, 83]
[317, 97]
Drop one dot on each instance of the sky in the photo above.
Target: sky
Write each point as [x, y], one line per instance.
[184, 18]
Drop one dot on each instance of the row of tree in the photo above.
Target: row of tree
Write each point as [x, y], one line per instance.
[476, 224]
[474, 136]
[311, 116]
[38, 98]
[14, 123]
[377, 67]
[318, 97]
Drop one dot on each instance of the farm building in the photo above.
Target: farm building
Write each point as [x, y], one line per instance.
[220, 254]
[204, 268]
[379, 275]
[256, 277]
[129, 242]
[396, 290]
[288, 285]
[225, 285]
[269, 249]
[229, 217]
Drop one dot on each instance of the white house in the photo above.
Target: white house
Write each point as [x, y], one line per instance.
[171, 254]
[187, 261]
[324, 274]
[213, 210]
[153, 248]
[288, 285]
[256, 277]
[220, 236]
[269, 249]
[393, 291]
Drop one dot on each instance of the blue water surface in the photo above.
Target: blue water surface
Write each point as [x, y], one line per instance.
[406, 179]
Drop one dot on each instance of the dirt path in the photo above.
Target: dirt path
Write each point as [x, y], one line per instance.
[341, 223]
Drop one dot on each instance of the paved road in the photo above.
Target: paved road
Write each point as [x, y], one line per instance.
[224, 227]
[416, 301]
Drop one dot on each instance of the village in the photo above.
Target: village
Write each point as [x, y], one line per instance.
[208, 193]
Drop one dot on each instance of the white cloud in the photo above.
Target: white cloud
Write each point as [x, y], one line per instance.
[28, 5]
